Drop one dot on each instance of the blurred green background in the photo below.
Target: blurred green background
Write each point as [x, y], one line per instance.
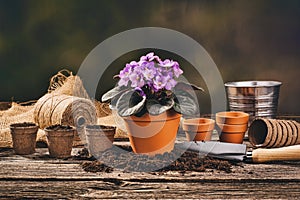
[258, 39]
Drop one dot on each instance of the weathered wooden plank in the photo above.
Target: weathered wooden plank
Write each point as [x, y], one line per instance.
[100, 189]
[38, 176]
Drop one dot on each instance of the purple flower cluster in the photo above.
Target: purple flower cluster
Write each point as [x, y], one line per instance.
[152, 71]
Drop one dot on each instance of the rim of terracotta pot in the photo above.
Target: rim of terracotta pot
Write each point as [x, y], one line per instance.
[232, 128]
[198, 124]
[232, 117]
[165, 116]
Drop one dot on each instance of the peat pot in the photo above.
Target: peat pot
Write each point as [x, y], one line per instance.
[24, 137]
[60, 140]
[99, 138]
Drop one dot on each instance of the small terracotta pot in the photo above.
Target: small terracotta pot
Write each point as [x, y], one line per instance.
[153, 134]
[60, 140]
[228, 128]
[24, 137]
[198, 129]
[198, 136]
[232, 137]
[99, 138]
[232, 117]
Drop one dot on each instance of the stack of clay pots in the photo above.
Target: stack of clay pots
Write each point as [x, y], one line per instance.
[274, 133]
[232, 126]
[198, 129]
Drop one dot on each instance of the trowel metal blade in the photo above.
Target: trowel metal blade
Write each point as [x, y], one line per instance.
[228, 151]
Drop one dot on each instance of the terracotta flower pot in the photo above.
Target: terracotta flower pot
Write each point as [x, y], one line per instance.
[232, 137]
[232, 126]
[232, 133]
[228, 128]
[153, 134]
[24, 137]
[232, 117]
[99, 138]
[60, 140]
[198, 129]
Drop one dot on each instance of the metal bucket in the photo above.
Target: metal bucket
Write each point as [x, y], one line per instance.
[258, 98]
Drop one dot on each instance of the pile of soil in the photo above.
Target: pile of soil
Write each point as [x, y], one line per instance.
[177, 160]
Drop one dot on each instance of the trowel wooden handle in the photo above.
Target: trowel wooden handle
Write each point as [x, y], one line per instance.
[276, 154]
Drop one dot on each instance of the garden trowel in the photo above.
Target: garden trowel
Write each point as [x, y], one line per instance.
[230, 151]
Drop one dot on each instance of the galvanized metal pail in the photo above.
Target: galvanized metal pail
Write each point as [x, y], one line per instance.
[258, 98]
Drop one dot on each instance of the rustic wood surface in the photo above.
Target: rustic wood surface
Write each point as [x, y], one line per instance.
[39, 177]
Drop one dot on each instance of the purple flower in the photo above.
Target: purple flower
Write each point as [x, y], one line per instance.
[136, 80]
[152, 71]
[170, 84]
[124, 75]
[177, 70]
[149, 71]
[150, 57]
[167, 63]
[159, 82]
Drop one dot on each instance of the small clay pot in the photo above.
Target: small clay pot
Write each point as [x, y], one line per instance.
[232, 137]
[60, 140]
[232, 133]
[24, 137]
[198, 129]
[233, 117]
[99, 138]
[198, 136]
[237, 128]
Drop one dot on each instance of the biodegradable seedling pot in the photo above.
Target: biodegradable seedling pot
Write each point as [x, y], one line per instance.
[153, 134]
[24, 137]
[232, 117]
[60, 140]
[198, 129]
[99, 138]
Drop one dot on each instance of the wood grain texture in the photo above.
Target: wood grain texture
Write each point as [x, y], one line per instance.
[39, 177]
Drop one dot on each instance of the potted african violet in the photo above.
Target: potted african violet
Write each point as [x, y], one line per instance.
[151, 102]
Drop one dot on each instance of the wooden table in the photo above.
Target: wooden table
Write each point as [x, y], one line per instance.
[38, 176]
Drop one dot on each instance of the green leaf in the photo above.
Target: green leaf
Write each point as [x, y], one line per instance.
[113, 93]
[155, 108]
[185, 103]
[187, 86]
[130, 103]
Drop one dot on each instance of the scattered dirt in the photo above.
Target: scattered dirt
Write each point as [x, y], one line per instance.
[96, 166]
[24, 124]
[57, 127]
[176, 160]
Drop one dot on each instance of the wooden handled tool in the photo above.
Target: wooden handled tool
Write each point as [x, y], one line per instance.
[276, 154]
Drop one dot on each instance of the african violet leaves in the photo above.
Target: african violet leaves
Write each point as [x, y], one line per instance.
[130, 103]
[185, 103]
[155, 107]
[187, 86]
[113, 93]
